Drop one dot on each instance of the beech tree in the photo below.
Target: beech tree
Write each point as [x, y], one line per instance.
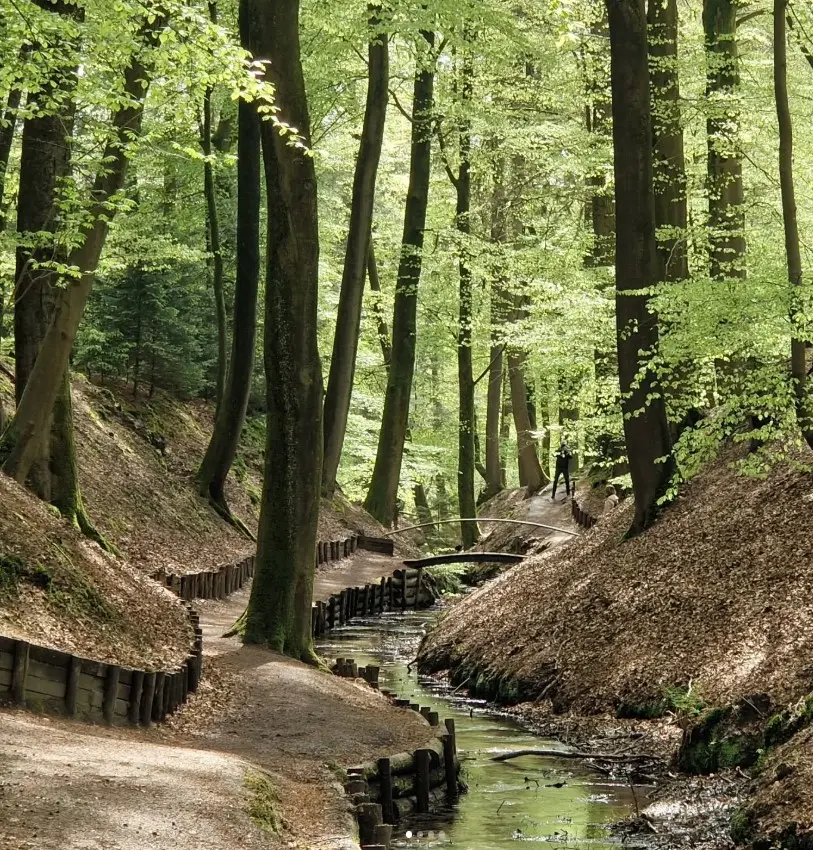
[279, 610]
[231, 413]
[645, 426]
[725, 186]
[383, 490]
[793, 254]
[358, 256]
[213, 231]
[26, 433]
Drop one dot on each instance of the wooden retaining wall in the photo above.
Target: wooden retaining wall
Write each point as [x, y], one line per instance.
[581, 516]
[209, 584]
[403, 589]
[55, 682]
[388, 790]
[223, 581]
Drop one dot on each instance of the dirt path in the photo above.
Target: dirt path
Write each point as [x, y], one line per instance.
[75, 787]
[523, 538]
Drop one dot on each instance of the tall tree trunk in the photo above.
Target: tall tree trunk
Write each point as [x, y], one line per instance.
[21, 442]
[422, 508]
[9, 125]
[348, 314]
[495, 466]
[725, 189]
[279, 610]
[383, 492]
[465, 375]
[669, 178]
[494, 472]
[45, 162]
[791, 226]
[231, 415]
[505, 421]
[7, 129]
[601, 204]
[213, 233]
[669, 168]
[381, 320]
[530, 470]
[645, 426]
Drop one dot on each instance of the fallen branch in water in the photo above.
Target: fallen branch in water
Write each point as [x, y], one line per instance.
[573, 754]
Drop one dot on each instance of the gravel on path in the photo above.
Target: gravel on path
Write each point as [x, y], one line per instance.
[182, 787]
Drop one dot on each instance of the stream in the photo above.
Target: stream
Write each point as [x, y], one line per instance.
[533, 800]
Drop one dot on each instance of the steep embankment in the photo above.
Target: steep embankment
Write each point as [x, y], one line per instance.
[138, 458]
[59, 590]
[716, 594]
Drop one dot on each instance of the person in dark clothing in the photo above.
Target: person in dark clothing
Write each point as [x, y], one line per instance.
[563, 455]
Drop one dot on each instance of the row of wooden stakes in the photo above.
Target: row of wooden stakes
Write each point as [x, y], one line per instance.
[223, 581]
[209, 584]
[385, 793]
[580, 516]
[55, 682]
[403, 589]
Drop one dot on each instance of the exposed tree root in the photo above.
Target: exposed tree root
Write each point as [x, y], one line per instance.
[89, 530]
[239, 627]
[224, 512]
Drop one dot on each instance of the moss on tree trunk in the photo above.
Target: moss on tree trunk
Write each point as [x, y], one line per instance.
[279, 610]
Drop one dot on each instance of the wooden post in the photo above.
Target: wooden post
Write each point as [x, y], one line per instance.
[433, 718]
[403, 589]
[369, 816]
[385, 780]
[425, 712]
[313, 620]
[382, 596]
[382, 836]
[450, 768]
[111, 692]
[418, 588]
[422, 761]
[147, 698]
[136, 686]
[19, 672]
[390, 594]
[72, 685]
[158, 701]
[342, 607]
[449, 724]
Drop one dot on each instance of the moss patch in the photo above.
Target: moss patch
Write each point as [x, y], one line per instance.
[447, 579]
[67, 590]
[263, 802]
[722, 738]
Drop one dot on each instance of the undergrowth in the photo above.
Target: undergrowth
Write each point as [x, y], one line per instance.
[262, 806]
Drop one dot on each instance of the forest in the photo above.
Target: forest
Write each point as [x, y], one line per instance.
[389, 263]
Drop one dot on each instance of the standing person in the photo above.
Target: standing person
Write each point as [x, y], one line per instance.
[563, 455]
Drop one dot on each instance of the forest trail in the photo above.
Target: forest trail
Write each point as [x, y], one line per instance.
[173, 786]
[512, 504]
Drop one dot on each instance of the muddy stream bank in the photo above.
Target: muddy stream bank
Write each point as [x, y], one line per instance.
[529, 799]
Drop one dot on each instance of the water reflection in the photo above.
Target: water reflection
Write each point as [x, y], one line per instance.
[560, 803]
